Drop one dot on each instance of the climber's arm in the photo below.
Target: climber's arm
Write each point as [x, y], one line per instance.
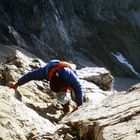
[38, 74]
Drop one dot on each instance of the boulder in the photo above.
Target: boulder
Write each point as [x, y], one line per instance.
[10, 73]
[117, 117]
[23, 59]
[17, 121]
[19, 64]
[99, 76]
[36, 98]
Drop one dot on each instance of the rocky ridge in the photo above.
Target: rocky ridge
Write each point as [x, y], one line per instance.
[117, 117]
[102, 31]
[32, 113]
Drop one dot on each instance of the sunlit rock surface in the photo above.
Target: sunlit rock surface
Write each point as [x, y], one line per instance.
[117, 117]
[32, 112]
[35, 101]
[99, 76]
[105, 32]
[17, 121]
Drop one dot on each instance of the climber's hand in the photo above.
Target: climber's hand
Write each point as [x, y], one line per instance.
[12, 85]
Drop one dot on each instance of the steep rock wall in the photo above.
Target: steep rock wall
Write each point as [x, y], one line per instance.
[101, 30]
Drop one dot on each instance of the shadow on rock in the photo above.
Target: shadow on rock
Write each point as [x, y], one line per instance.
[49, 112]
[17, 95]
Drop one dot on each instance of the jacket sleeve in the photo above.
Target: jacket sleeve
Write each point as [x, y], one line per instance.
[38, 74]
[72, 79]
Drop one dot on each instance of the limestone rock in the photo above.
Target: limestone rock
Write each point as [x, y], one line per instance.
[117, 117]
[68, 137]
[18, 64]
[10, 73]
[99, 76]
[17, 121]
[24, 61]
[19, 59]
[36, 95]
[32, 112]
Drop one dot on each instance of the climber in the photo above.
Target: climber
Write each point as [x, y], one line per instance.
[63, 81]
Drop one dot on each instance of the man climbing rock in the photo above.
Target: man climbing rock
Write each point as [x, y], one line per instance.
[63, 81]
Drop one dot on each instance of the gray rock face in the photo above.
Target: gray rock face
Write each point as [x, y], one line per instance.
[101, 30]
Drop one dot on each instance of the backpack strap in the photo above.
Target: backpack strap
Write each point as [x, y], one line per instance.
[54, 69]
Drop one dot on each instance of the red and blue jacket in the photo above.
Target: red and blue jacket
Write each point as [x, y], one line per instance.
[68, 75]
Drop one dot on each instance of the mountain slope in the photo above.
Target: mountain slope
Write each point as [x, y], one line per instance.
[100, 30]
